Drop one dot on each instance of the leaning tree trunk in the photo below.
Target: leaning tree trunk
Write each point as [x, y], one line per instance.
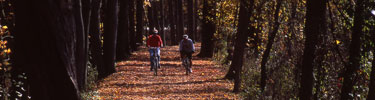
[271, 39]
[354, 52]
[123, 46]
[95, 37]
[241, 38]
[208, 30]
[139, 18]
[109, 38]
[46, 47]
[132, 26]
[316, 11]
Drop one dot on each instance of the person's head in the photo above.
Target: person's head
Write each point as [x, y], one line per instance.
[155, 32]
[185, 36]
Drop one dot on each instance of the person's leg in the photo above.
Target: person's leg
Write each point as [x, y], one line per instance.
[151, 54]
[158, 53]
[189, 55]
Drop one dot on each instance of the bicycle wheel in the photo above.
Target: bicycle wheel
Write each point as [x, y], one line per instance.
[186, 65]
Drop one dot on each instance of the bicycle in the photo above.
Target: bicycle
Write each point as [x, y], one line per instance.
[155, 61]
[186, 63]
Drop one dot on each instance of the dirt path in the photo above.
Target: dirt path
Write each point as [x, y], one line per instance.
[134, 80]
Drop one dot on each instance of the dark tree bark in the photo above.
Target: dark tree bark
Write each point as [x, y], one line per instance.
[196, 19]
[208, 30]
[173, 18]
[162, 21]
[132, 33]
[241, 38]
[123, 46]
[150, 16]
[354, 52]
[316, 11]
[180, 20]
[46, 48]
[271, 39]
[372, 76]
[95, 36]
[82, 70]
[109, 38]
[190, 17]
[139, 18]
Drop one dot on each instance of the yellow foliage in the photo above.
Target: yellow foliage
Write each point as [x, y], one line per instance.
[338, 42]
[5, 27]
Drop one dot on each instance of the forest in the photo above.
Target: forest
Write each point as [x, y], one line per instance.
[266, 49]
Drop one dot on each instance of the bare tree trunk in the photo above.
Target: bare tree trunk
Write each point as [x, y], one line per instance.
[173, 18]
[208, 30]
[51, 65]
[140, 23]
[239, 47]
[123, 46]
[95, 41]
[316, 11]
[372, 76]
[109, 38]
[190, 17]
[354, 52]
[132, 33]
[271, 39]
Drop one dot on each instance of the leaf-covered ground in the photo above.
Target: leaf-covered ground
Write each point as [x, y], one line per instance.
[134, 80]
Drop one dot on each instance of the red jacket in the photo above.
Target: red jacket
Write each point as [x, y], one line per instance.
[154, 41]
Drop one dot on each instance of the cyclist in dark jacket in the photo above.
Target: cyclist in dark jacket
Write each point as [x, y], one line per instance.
[187, 48]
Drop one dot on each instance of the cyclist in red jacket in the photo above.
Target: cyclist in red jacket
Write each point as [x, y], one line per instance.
[154, 42]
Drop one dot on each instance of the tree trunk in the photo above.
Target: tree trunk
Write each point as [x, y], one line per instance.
[208, 30]
[150, 16]
[316, 11]
[190, 18]
[173, 19]
[95, 37]
[46, 48]
[109, 38]
[82, 71]
[271, 39]
[180, 20]
[162, 31]
[371, 91]
[196, 19]
[132, 33]
[354, 52]
[123, 46]
[239, 47]
[139, 17]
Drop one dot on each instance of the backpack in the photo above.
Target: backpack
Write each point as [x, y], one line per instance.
[186, 45]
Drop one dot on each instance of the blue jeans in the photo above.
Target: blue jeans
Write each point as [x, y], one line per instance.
[152, 53]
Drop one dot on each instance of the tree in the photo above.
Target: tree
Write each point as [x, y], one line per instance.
[172, 16]
[315, 15]
[123, 46]
[46, 48]
[271, 39]
[190, 17]
[180, 20]
[132, 33]
[354, 52]
[372, 75]
[241, 38]
[208, 29]
[139, 18]
[109, 38]
[95, 36]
